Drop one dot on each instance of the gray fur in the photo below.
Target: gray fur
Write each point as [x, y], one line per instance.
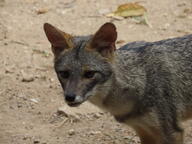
[160, 74]
[147, 85]
[74, 60]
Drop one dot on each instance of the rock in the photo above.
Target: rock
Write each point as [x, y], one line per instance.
[97, 115]
[36, 141]
[27, 77]
[71, 132]
[95, 132]
[69, 113]
[9, 70]
[51, 79]
[76, 113]
[34, 100]
[51, 86]
[66, 111]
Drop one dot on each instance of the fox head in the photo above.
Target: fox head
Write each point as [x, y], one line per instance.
[82, 63]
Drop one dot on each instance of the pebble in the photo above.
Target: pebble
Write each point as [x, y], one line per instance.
[36, 141]
[71, 132]
[95, 132]
[97, 115]
[34, 100]
[67, 112]
[27, 77]
[8, 70]
[52, 79]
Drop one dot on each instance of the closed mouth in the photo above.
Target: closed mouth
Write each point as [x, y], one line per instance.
[77, 103]
[73, 104]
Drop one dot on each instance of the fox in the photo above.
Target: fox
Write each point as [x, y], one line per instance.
[145, 85]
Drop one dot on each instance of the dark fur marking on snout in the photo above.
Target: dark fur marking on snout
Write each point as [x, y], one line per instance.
[90, 86]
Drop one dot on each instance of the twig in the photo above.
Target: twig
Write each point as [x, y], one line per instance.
[63, 122]
[18, 42]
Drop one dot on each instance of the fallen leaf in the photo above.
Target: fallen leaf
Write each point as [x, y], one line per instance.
[133, 10]
[129, 10]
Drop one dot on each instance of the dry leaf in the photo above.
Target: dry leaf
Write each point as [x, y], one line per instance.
[129, 10]
[134, 10]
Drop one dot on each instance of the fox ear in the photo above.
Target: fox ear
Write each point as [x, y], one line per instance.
[104, 40]
[58, 39]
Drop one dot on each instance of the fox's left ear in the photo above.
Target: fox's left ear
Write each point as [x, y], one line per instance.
[104, 40]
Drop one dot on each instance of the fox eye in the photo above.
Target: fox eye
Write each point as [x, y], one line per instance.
[64, 74]
[89, 74]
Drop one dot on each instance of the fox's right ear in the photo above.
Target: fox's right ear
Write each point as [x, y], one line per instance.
[59, 40]
[104, 40]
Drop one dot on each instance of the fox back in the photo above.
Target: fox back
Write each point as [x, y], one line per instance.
[147, 85]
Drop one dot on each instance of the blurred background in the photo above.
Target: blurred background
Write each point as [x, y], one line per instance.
[32, 109]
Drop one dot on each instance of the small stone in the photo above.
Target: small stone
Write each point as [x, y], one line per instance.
[51, 86]
[95, 132]
[97, 115]
[34, 100]
[36, 141]
[19, 104]
[52, 79]
[27, 77]
[71, 132]
[25, 138]
[39, 113]
[8, 70]
[67, 112]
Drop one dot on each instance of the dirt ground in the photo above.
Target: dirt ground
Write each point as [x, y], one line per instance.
[30, 94]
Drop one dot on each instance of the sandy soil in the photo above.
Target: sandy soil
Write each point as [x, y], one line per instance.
[30, 94]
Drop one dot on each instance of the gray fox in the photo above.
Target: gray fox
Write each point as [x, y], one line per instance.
[146, 85]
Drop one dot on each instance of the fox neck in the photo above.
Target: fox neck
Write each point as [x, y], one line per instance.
[111, 97]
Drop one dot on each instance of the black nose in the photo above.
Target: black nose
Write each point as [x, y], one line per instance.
[70, 97]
